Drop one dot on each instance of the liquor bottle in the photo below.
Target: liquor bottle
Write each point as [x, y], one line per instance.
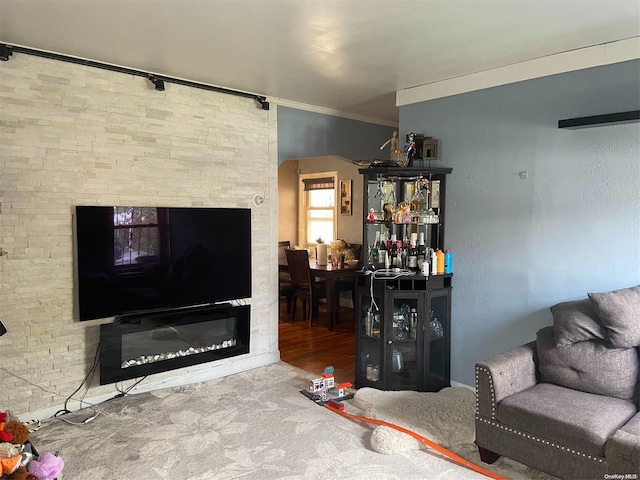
[394, 254]
[375, 249]
[382, 248]
[412, 259]
[422, 250]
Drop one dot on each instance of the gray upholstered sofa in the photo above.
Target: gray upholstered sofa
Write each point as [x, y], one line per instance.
[567, 404]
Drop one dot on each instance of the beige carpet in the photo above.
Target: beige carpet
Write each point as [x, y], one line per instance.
[255, 425]
[446, 417]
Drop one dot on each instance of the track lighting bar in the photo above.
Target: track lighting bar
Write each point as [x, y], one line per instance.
[158, 84]
[158, 80]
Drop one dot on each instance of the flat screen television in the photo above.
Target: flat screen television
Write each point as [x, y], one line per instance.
[134, 259]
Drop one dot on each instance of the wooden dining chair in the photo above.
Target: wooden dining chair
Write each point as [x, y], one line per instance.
[348, 284]
[344, 285]
[356, 249]
[304, 285]
[285, 285]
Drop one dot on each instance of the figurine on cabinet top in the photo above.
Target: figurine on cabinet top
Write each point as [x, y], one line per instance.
[394, 144]
[395, 154]
[410, 148]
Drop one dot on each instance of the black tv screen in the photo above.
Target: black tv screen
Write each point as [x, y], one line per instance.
[133, 259]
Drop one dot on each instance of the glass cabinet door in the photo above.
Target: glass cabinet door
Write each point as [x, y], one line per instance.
[369, 348]
[403, 369]
[438, 340]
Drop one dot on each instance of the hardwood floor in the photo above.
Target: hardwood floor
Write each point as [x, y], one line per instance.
[313, 348]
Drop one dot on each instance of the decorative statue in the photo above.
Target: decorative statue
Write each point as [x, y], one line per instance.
[410, 148]
[395, 152]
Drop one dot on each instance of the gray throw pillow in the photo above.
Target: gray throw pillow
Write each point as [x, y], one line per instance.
[619, 312]
[576, 321]
[590, 366]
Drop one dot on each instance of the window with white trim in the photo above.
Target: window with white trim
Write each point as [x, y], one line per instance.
[136, 234]
[319, 207]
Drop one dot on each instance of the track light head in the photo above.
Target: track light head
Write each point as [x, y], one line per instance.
[263, 102]
[5, 52]
[158, 83]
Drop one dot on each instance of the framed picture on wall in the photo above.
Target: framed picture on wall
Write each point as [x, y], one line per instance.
[345, 197]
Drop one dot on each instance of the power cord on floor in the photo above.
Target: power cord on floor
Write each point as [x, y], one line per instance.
[122, 393]
[89, 419]
[89, 376]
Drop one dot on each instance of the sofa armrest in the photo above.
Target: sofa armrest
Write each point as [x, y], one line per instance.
[503, 375]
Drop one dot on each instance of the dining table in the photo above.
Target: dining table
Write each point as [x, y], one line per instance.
[330, 273]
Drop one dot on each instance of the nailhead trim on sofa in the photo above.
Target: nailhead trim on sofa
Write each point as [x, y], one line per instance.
[491, 390]
[539, 440]
[494, 423]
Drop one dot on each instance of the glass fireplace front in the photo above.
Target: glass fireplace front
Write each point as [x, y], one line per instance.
[139, 345]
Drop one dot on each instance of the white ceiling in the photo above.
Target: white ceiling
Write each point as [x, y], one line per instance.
[346, 55]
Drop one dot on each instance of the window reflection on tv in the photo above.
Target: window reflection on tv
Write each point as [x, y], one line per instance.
[132, 259]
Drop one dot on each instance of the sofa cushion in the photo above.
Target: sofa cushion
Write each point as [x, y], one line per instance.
[632, 427]
[589, 366]
[579, 420]
[576, 321]
[619, 312]
[623, 447]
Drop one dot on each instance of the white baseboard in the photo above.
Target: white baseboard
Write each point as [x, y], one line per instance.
[215, 371]
[458, 384]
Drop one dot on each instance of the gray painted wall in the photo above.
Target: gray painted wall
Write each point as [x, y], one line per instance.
[571, 227]
[303, 134]
[320, 140]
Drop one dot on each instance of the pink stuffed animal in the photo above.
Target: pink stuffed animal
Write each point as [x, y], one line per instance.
[46, 467]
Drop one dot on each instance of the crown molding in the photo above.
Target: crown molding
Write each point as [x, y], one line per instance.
[579, 59]
[332, 112]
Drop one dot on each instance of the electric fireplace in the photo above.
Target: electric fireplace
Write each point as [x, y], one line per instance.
[148, 343]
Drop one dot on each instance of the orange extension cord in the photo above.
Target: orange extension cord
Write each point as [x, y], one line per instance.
[435, 446]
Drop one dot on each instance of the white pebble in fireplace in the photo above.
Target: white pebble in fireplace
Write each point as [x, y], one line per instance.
[158, 357]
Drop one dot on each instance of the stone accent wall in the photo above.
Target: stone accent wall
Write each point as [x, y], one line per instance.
[75, 135]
